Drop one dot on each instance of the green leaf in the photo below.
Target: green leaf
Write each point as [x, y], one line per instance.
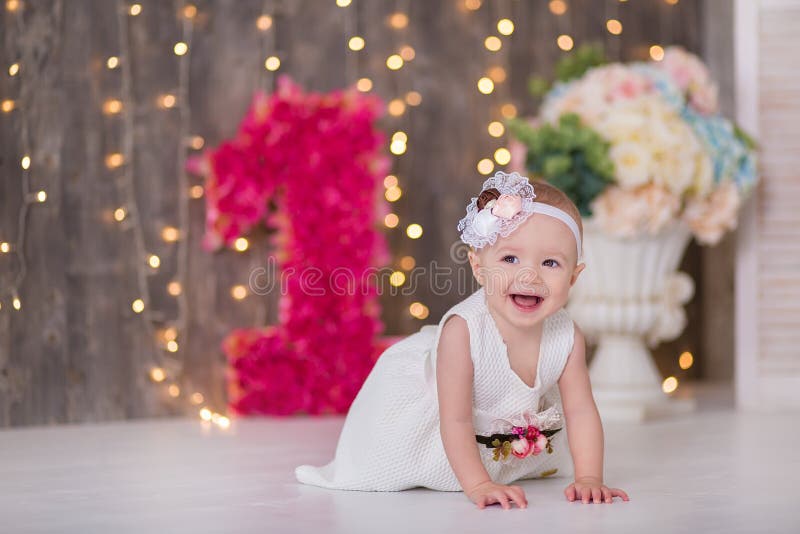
[576, 63]
[538, 86]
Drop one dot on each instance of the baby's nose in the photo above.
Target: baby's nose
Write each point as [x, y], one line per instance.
[528, 275]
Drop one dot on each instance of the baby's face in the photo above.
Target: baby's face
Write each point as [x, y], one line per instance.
[527, 275]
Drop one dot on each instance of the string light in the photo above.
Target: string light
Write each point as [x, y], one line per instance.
[174, 288]
[112, 62]
[502, 156]
[154, 261]
[167, 101]
[239, 292]
[41, 196]
[656, 52]
[413, 98]
[414, 231]
[394, 62]
[396, 107]
[685, 360]
[12, 5]
[400, 136]
[13, 69]
[356, 43]
[264, 22]
[393, 194]
[485, 166]
[272, 63]
[364, 85]
[493, 43]
[509, 111]
[496, 129]
[407, 263]
[135, 9]
[342, 3]
[5, 247]
[505, 26]
[25, 162]
[472, 5]
[196, 398]
[565, 42]
[180, 48]
[174, 391]
[16, 303]
[390, 181]
[497, 74]
[407, 53]
[112, 106]
[114, 160]
[418, 310]
[398, 20]
[196, 192]
[241, 244]
[137, 305]
[397, 279]
[671, 2]
[172, 345]
[614, 26]
[170, 333]
[205, 414]
[197, 142]
[7, 106]
[391, 220]
[557, 7]
[669, 385]
[485, 85]
[398, 146]
[119, 214]
[170, 234]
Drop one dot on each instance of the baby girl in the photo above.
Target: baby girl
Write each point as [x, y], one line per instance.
[489, 395]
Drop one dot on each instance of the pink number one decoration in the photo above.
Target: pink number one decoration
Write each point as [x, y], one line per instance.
[308, 166]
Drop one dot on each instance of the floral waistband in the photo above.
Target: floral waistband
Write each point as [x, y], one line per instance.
[525, 435]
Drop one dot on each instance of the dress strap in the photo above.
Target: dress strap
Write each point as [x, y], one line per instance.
[557, 346]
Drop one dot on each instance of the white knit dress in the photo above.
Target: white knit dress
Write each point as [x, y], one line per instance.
[390, 440]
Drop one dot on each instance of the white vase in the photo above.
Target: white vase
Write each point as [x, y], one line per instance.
[631, 293]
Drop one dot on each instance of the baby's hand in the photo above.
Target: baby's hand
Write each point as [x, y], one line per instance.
[591, 488]
[488, 493]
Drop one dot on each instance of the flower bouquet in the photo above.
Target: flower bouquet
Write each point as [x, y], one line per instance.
[644, 153]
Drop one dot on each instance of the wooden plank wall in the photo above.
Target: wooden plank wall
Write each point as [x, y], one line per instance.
[779, 196]
[76, 352]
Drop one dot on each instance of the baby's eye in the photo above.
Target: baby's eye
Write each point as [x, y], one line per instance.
[550, 263]
[510, 259]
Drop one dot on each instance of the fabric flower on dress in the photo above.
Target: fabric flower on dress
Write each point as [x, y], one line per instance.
[524, 435]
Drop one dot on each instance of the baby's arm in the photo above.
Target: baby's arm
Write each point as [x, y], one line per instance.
[584, 428]
[454, 383]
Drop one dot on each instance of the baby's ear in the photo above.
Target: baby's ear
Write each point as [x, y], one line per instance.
[475, 263]
[578, 269]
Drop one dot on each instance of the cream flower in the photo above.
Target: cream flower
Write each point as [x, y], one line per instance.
[710, 217]
[631, 163]
[626, 213]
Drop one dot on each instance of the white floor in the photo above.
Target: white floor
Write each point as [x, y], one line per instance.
[716, 471]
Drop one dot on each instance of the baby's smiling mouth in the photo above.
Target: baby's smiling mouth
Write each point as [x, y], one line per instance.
[526, 301]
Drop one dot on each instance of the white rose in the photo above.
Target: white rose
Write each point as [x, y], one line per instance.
[484, 223]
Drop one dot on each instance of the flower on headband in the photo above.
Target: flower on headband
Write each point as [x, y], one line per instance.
[507, 206]
[505, 202]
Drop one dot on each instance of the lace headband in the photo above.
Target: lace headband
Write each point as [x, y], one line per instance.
[509, 199]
